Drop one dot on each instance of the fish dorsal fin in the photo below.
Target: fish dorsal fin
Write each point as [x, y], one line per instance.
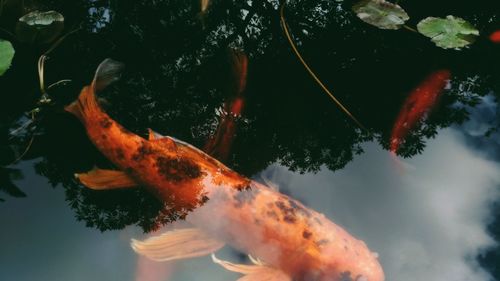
[163, 140]
[108, 72]
[99, 179]
[256, 272]
[152, 135]
[269, 183]
[177, 244]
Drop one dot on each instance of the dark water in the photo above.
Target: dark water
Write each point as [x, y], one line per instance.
[431, 216]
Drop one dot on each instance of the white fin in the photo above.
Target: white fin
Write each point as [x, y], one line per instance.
[107, 72]
[270, 183]
[255, 261]
[177, 244]
[253, 272]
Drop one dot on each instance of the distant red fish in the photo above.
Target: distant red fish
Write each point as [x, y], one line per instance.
[418, 103]
[219, 145]
[495, 37]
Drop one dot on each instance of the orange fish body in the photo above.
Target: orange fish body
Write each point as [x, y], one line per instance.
[291, 241]
[418, 103]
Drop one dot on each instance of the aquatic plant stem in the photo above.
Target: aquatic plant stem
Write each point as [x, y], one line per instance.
[29, 143]
[410, 28]
[311, 72]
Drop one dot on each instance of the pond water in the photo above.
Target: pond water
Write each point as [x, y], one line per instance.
[428, 205]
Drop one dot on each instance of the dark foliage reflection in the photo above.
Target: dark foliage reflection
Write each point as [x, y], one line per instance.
[179, 72]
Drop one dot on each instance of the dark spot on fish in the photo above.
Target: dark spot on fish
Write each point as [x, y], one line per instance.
[103, 136]
[288, 213]
[105, 122]
[257, 221]
[120, 155]
[245, 196]
[143, 150]
[318, 220]
[281, 205]
[345, 276]
[243, 186]
[306, 234]
[204, 199]
[299, 208]
[176, 170]
[272, 214]
[322, 242]
[290, 218]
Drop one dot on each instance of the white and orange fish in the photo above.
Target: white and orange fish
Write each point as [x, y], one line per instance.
[288, 240]
[417, 105]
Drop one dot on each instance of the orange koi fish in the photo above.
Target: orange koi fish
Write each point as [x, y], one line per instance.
[418, 103]
[219, 145]
[495, 37]
[289, 241]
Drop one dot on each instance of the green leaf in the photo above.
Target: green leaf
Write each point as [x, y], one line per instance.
[381, 14]
[6, 55]
[448, 33]
[39, 27]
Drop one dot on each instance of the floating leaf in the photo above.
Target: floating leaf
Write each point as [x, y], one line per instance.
[39, 27]
[6, 55]
[381, 14]
[451, 32]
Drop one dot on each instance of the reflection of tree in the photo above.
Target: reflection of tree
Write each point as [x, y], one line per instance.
[178, 74]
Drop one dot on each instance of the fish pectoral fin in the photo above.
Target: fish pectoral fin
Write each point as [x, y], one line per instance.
[99, 179]
[256, 272]
[177, 244]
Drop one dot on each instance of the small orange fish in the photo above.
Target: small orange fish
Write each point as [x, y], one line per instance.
[418, 103]
[219, 145]
[495, 37]
[290, 241]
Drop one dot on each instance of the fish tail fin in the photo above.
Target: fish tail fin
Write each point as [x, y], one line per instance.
[107, 72]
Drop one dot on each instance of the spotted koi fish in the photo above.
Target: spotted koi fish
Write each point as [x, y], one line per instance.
[288, 240]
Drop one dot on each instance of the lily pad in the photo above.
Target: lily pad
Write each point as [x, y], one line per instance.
[39, 27]
[6, 55]
[381, 14]
[448, 33]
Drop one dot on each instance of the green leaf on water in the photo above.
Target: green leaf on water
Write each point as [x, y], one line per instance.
[449, 33]
[39, 27]
[381, 14]
[6, 55]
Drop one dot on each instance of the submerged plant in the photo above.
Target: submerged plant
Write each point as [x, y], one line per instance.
[311, 72]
